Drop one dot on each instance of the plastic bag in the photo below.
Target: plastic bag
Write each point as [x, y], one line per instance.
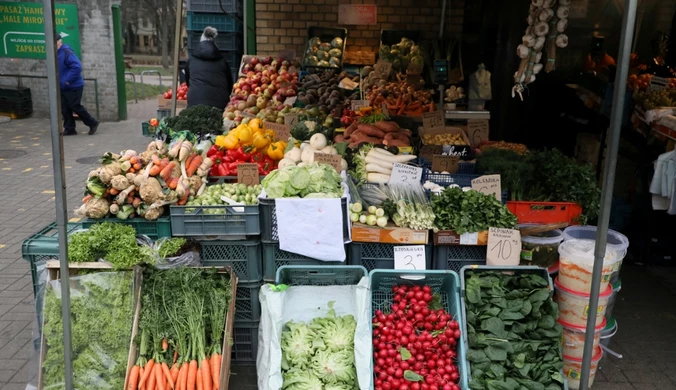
[189, 258]
[303, 303]
[102, 310]
[480, 84]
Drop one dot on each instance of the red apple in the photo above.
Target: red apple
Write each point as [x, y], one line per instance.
[265, 85]
[266, 60]
[290, 92]
[274, 64]
[257, 90]
[285, 63]
[247, 68]
[254, 61]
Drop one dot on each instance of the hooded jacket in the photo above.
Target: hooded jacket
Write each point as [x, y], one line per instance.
[208, 77]
[70, 69]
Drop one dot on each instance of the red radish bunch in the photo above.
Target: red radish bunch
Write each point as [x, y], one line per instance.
[414, 346]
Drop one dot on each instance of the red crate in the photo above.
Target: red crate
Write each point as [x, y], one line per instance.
[546, 212]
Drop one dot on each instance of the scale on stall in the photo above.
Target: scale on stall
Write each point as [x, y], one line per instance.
[441, 78]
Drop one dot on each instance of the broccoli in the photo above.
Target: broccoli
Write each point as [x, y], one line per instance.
[199, 119]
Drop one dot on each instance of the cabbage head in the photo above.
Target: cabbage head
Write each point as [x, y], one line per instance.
[297, 343]
[337, 332]
[298, 379]
[333, 367]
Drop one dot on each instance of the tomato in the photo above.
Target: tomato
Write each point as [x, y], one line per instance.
[154, 122]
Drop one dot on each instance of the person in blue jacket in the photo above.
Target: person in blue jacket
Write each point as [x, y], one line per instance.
[72, 85]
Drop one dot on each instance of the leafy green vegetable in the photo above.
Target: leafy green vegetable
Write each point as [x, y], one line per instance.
[170, 247]
[514, 340]
[514, 169]
[306, 181]
[113, 242]
[470, 211]
[101, 320]
[306, 128]
[198, 119]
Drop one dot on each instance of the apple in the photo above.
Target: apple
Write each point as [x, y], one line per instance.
[285, 63]
[274, 64]
[247, 68]
[267, 93]
[265, 80]
[254, 61]
[246, 88]
[290, 92]
[265, 73]
[257, 90]
[266, 60]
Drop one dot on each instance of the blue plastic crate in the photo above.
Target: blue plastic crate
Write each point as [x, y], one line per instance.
[215, 6]
[224, 42]
[221, 22]
[445, 179]
[464, 167]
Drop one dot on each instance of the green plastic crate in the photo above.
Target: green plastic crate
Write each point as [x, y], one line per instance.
[147, 130]
[379, 256]
[43, 245]
[274, 258]
[159, 228]
[299, 275]
[243, 256]
[446, 283]
[247, 305]
[454, 257]
[245, 342]
[231, 220]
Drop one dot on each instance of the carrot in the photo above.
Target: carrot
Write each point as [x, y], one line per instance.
[174, 375]
[172, 183]
[155, 159]
[183, 377]
[150, 371]
[166, 171]
[187, 160]
[216, 369]
[140, 375]
[192, 165]
[86, 198]
[113, 191]
[165, 345]
[199, 380]
[147, 371]
[207, 381]
[159, 377]
[167, 374]
[192, 375]
[184, 199]
[138, 166]
[175, 356]
[131, 170]
[133, 160]
[133, 378]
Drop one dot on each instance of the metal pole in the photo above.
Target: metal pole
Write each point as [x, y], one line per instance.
[177, 47]
[54, 96]
[443, 19]
[627, 34]
[119, 63]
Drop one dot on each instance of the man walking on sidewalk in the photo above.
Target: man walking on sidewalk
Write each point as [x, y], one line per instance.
[72, 84]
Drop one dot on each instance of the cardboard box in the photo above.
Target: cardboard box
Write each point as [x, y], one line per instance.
[163, 103]
[449, 237]
[391, 234]
[444, 130]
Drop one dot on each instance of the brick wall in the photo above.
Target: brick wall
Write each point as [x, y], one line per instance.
[283, 24]
[98, 62]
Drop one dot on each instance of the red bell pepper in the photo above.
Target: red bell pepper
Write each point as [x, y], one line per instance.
[213, 150]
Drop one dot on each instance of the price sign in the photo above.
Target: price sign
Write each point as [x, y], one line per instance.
[477, 130]
[282, 132]
[291, 119]
[489, 185]
[433, 119]
[355, 105]
[445, 163]
[330, 159]
[402, 173]
[248, 174]
[290, 101]
[248, 114]
[382, 69]
[658, 83]
[410, 257]
[504, 247]
[228, 124]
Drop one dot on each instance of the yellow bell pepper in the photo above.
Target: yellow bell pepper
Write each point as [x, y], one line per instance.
[270, 134]
[244, 135]
[276, 150]
[260, 141]
[231, 142]
[220, 141]
[255, 124]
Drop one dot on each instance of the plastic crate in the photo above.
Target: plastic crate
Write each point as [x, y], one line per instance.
[247, 305]
[326, 35]
[234, 221]
[220, 21]
[463, 166]
[446, 283]
[274, 258]
[445, 179]
[245, 342]
[43, 245]
[269, 220]
[224, 42]
[243, 256]
[161, 114]
[379, 256]
[299, 275]
[546, 212]
[454, 257]
[154, 229]
[215, 6]
[147, 130]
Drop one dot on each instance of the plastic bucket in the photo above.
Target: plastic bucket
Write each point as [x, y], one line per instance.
[541, 250]
[609, 331]
[574, 305]
[617, 286]
[615, 241]
[577, 261]
[572, 368]
[573, 338]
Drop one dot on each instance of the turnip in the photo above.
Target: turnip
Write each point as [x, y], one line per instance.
[318, 141]
[381, 221]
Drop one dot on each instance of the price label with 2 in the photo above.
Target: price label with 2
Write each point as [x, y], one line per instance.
[402, 173]
[410, 258]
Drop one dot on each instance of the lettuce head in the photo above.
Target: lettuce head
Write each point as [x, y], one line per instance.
[298, 379]
[333, 367]
[297, 344]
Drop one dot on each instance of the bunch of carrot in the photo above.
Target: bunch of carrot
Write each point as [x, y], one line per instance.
[173, 323]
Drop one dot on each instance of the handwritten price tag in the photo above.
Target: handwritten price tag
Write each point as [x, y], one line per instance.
[383, 69]
[282, 132]
[504, 247]
[658, 83]
[330, 159]
[489, 185]
[228, 124]
[402, 173]
[478, 131]
[248, 114]
[248, 174]
[410, 258]
[445, 163]
[291, 119]
[290, 101]
[433, 119]
[355, 105]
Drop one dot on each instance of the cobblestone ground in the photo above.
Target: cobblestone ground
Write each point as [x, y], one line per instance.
[645, 311]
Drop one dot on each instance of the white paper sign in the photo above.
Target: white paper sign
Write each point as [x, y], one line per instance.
[410, 257]
[402, 173]
[228, 124]
[290, 101]
[658, 83]
[355, 105]
[504, 247]
[488, 185]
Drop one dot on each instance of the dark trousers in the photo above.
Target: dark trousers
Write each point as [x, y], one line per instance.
[70, 103]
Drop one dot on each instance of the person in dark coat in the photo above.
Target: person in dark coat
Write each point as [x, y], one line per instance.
[208, 74]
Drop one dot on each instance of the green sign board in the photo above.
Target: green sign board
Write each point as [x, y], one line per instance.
[22, 30]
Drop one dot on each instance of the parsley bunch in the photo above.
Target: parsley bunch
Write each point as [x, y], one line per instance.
[470, 211]
[113, 242]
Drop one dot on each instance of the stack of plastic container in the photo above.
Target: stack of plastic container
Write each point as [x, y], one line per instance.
[573, 288]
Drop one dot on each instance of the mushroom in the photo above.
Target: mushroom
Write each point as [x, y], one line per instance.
[528, 40]
[546, 14]
[561, 25]
[541, 29]
[562, 12]
[539, 43]
[562, 40]
[522, 51]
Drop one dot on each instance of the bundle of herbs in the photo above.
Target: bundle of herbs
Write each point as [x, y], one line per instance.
[113, 242]
[514, 169]
[514, 339]
[181, 329]
[470, 211]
